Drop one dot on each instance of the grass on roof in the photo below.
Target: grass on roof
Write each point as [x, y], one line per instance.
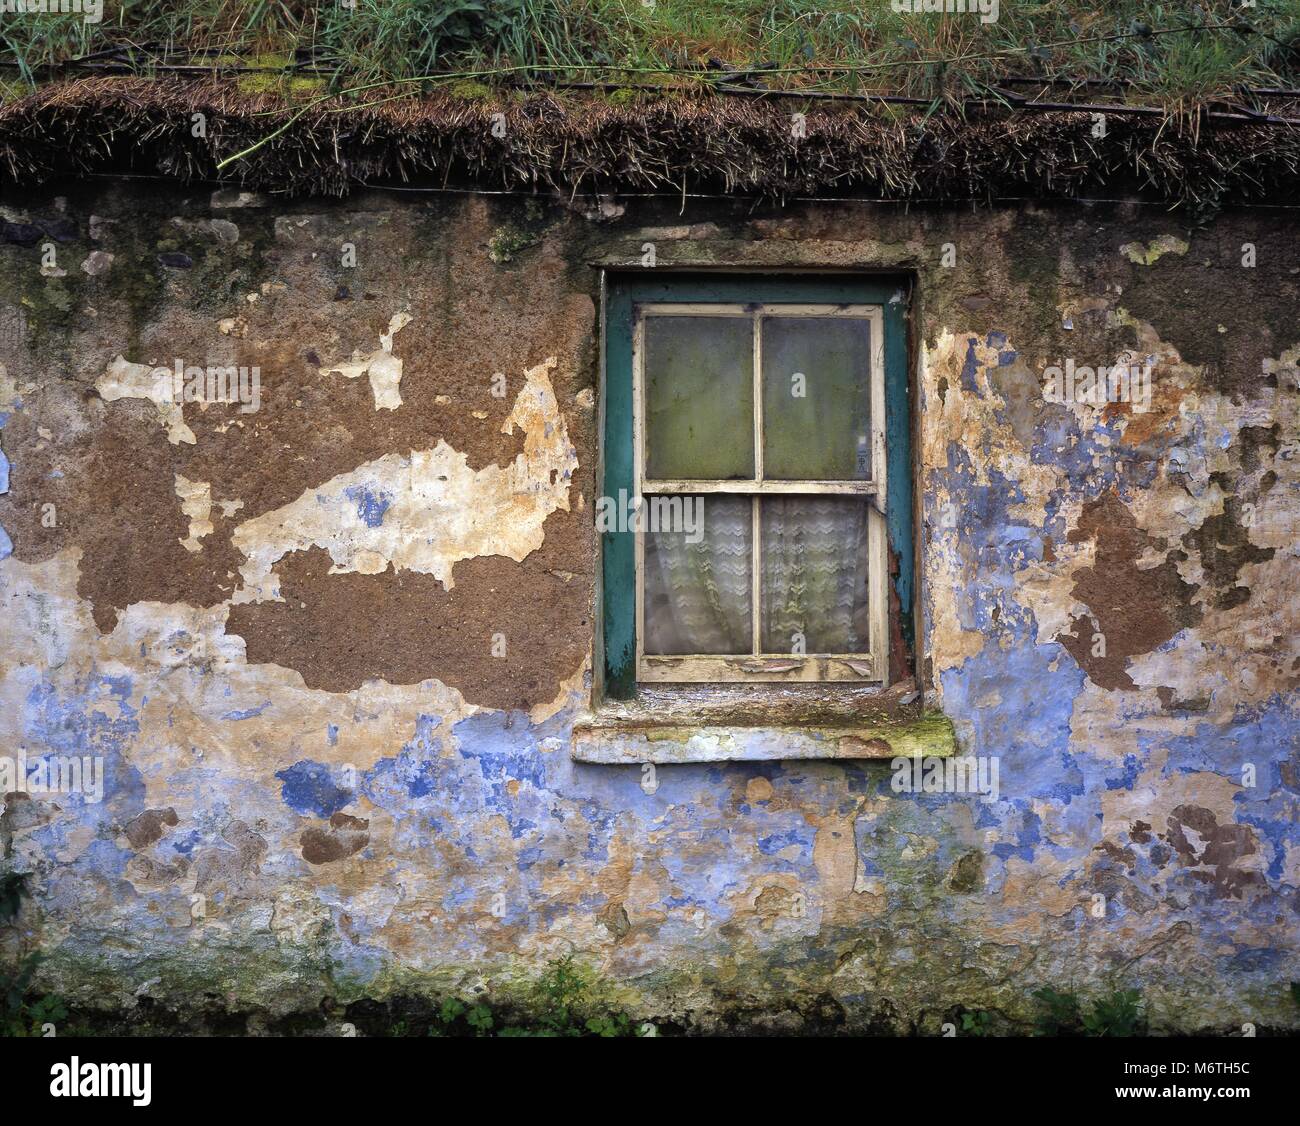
[1180, 55]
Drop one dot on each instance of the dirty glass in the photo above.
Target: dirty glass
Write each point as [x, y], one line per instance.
[698, 578]
[816, 398]
[813, 585]
[699, 398]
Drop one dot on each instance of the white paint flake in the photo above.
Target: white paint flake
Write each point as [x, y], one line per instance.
[383, 368]
[125, 380]
[426, 510]
[196, 503]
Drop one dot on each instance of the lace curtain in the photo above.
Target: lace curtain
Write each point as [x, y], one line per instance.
[698, 596]
[814, 580]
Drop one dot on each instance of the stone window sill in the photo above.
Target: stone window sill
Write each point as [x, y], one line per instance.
[715, 723]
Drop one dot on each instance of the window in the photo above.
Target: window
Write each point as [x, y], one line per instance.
[748, 423]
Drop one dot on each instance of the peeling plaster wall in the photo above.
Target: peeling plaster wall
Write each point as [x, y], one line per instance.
[330, 651]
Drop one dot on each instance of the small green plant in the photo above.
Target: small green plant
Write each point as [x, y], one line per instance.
[1114, 1014]
[480, 1019]
[563, 1009]
[1118, 1014]
[449, 1012]
[611, 1025]
[562, 989]
[477, 1017]
[507, 243]
[1295, 992]
[977, 1023]
[45, 1010]
[1060, 1015]
[18, 1017]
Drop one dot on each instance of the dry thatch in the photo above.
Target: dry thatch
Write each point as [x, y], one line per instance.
[591, 143]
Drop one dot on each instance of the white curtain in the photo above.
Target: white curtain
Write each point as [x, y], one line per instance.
[698, 595]
[814, 579]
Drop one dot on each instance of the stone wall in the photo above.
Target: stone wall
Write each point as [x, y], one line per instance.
[281, 629]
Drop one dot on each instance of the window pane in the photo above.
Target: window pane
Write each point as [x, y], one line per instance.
[699, 576]
[814, 581]
[816, 398]
[699, 393]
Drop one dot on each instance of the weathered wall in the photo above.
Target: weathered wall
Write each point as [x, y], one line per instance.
[277, 626]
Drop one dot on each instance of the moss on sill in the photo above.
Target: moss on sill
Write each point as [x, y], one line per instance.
[622, 738]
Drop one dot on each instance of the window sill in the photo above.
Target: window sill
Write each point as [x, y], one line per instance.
[709, 723]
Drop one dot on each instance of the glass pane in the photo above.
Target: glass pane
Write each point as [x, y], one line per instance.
[814, 581]
[698, 575]
[699, 395]
[816, 398]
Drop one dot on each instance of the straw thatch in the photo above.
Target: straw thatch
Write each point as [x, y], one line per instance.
[591, 143]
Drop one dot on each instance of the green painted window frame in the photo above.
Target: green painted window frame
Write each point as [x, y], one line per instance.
[623, 292]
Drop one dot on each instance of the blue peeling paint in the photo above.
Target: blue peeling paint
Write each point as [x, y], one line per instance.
[6, 544]
[371, 505]
[1132, 768]
[81, 723]
[778, 842]
[247, 713]
[312, 787]
[1027, 835]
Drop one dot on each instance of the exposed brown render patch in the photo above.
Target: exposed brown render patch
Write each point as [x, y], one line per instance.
[221, 869]
[1133, 609]
[345, 837]
[967, 874]
[324, 627]
[130, 527]
[1223, 540]
[143, 830]
[1215, 846]
[1233, 363]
